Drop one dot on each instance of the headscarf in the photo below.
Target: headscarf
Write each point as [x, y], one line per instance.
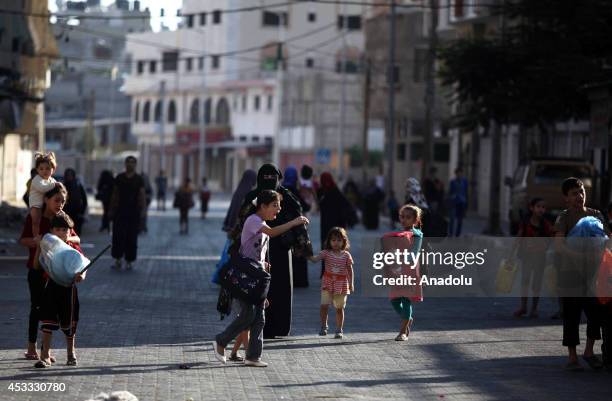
[327, 182]
[414, 193]
[268, 177]
[291, 177]
[248, 180]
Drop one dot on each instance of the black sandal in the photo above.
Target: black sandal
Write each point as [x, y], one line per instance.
[236, 358]
[71, 361]
[41, 364]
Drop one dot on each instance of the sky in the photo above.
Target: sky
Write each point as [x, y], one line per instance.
[155, 6]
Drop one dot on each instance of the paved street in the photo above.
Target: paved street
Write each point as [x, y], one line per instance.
[138, 327]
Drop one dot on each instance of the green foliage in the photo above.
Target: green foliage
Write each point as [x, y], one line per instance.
[533, 70]
[356, 154]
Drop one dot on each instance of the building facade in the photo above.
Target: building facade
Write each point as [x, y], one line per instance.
[28, 47]
[222, 64]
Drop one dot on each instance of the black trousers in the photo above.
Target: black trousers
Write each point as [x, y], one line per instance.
[606, 333]
[572, 311]
[36, 284]
[125, 237]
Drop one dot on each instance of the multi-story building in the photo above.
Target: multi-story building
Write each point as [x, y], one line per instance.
[87, 115]
[412, 32]
[223, 59]
[27, 46]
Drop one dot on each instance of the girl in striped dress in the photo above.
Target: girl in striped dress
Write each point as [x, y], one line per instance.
[337, 281]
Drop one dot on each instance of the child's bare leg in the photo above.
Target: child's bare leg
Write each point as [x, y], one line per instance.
[404, 326]
[324, 312]
[70, 345]
[242, 339]
[339, 319]
[31, 348]
[36, 214]
[45, 349]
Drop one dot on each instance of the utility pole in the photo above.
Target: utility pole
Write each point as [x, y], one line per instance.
[111, 115]
[202, 128]
[341, 121]
[162, 148]
[280, 77]
[366, 122]
[391, 101]
[430, 89]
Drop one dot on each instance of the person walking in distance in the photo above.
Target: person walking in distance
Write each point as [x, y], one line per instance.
[458, 202]
[161, 181]
[127, 206]
[204, 197]
[183, 201]
[105, 191]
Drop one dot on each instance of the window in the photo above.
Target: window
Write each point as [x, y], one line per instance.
[222, 112]
[140, 67]
[152, 66]
[189, 64]
[202, 19]
[441, 152]
[189, 20]
[271, 54]
[353, 22]
[270, 102]
[312, 17]
[216, 17]
[420, 56]
[200, 63]
[146, 112]
[256, 102]
[157, 114]
[255, 138]
[194, 112]
[137, 112]
[347, 60]
[458, 9]
[171, 112]
[242, 138]
[208, 111]
[416, 151]
[215, 61]
[401, 152]
[269, 18]
[244, 102]
[170, 61]
[309, 63]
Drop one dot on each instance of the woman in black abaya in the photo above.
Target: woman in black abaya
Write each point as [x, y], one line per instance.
[280, 295]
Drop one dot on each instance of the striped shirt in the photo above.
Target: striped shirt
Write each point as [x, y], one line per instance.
[336, 276]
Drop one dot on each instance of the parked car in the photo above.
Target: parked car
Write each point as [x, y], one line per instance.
[542, 178]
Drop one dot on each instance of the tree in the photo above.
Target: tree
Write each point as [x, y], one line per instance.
[532, 70]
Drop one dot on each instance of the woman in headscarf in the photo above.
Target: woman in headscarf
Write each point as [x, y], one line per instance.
[434, 225]
[371, 206]
[247, 182]
[336, 210]
[278, 314]
[299, 262]
[76, 204]
[105, 191]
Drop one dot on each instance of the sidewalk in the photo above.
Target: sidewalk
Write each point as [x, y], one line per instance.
[138, 327]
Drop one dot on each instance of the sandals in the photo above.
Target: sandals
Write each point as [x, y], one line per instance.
[71, 361]
[41, 364]
[31, 356]
[593, 362]
[236, 358]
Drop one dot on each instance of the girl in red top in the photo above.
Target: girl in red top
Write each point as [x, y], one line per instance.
[532, 255]
[337, 281]
[53, 203]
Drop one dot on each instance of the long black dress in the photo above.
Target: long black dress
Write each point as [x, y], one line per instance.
[280, 295]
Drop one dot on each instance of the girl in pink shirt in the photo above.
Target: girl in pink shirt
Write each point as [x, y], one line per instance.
[337, 281]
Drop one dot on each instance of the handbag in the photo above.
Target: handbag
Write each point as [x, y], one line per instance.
[246, 279]
[504, 280]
